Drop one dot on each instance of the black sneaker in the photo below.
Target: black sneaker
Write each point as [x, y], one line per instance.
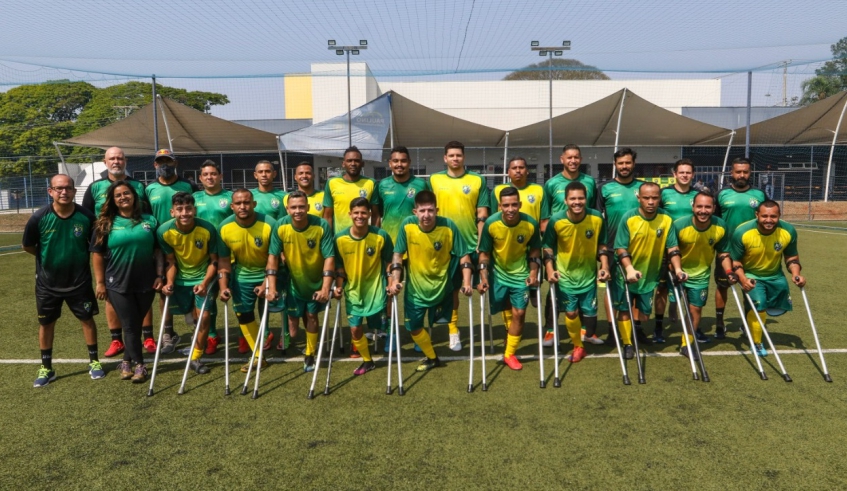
[642, 338]
[199, 367]
[701, 338]
[684, 352]
[657, 337]
[428, 364]
[628, 352]
[720, 332]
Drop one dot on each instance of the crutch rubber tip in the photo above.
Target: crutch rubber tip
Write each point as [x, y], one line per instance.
[244, 391]
[401, 392]
[557, 383]
[763, 375]
[150, 393]
[255, 394]
[311, 395]
[642, 380]
[827, 377]
[542, 385]
[388, 391]
[626, 380]
[227, 391]
[786, 377]
[470, 388]
[180, 392]
[696, 377]
[706, 378]
[326, 391]
[485, 387]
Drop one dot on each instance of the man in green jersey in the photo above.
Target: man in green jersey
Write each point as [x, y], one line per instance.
[573, 241]
[190, 246]
[303, 242]
[511, 243]
[304, 176]
[736, 204]
[57, 235]
[700, 236]
[340, 191]
[213, 204]
[363, 253]
[435, 249]
[758, 248]
[92, 200]
[644, 235]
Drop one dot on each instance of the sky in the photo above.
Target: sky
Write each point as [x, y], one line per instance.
[239, 45]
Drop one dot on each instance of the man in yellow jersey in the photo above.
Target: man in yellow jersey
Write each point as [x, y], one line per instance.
[363, 253]
[573, 242]
[758, 248]
[510, 242]
[304, 243]
[464, 198]
[244, 240]
[644, 235]
[340, 191]
[304, 176]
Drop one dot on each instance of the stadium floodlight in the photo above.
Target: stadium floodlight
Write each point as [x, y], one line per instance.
[558, 53]
[550, 51]
[339, 51]
[331, 42]
[542, 53]
[534, 44]
[566, 44]
[354, 50]
[363, 42]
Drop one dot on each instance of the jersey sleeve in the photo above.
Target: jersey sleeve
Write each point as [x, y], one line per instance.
[604, 235]
[672, 239]
[535, 239]
[460, 247]
[88, 200]
[163, 244]
[32, 234]
[601, 201]
[339, 258]
[544, 207]
[275, 247]
[549, 239]
[327, 245]
[790, 249]
[622, 236]
[484, 200]
[723, 244]
[101, 248]
[736, 246]
[327, 195]
[387, 252]
[400, 246]
[376, 198]
[223, 249]
[485, 242]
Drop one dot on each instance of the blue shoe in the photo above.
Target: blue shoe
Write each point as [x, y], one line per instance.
[701, 338]
[418, 348]
[95, 369]
[760, 350]
[388, 344]
[658, 338]
[44, 377]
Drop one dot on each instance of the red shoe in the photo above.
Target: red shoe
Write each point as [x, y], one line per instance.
[512, 362]
[268, 340]
[150, 345]
[578, 354]
[354, 353]
[212, 346]
[116, 348]
[243, 347]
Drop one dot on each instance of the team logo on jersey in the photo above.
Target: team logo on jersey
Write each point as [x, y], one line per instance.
[198, 244]
[146, 226]
[589, 234]
[363, 193]
[531, 199]
[274, 203]
[319, 206]
[437, 246]
[370, 251]
[754, 203]
[410, 193]
[521, 238]
[257, 241]
[311, 243]
[777, 247]
[77, 230]
[691, 202]
[223, 203]
[659, 232]
[466, 189]
[711, 241]
[111, 279]
[87, 306]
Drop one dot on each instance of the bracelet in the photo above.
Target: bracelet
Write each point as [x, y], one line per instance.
[270, 272]
[329, 273]
[163, 277]
[223, 276]
[728, 271]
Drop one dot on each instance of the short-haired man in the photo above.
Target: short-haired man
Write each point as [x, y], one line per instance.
[510, 243]
[573, 242]
[363, 255]
[435, 249]
[758, 248]
[736, 204]
[269, 200]
[464, 198]
[57, 235]
[303, 242]
[644, 235]
[304, 176]
[340, 191]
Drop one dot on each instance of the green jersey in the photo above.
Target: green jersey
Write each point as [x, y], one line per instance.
[698, 248]
[247, 246]
[509, 246]
[433, 259]
[532, 198]
[364, 261]
[213, 208]
[575, 246]
[397, 200]
[614, 200]
[647, 240]
[190, 249]
[737, 207]
[305, 251]
[95, 195]
[270, 203]
[678, 204]
[61, 248]
[554, 192]
[129, 252]
[760, 254]
[159, 195]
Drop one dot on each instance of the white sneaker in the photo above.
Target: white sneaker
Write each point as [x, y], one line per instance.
[592, 340]
[455, 343]
[548, 339]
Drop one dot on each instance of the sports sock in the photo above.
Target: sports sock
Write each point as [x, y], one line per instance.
[574, 327]
[755, 327]
[169, 330]
[626, 331]
[92, 352]
[47, 358]
[213, 330]
[196, 353]
[507, 319]
[659, 320]
[719, 316]
[311, 343]
[362, 345]
[512, 343]
[250, 331]
[423, 340]
[686, 340]
[638, 325]
[453, 325]
[146, 332]
[672, 310]
[116, 334]
[590, 324]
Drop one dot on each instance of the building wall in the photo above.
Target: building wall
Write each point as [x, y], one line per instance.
[298, 96]
[329, 89]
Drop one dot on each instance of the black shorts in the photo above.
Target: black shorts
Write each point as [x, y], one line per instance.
[82, 302]
[720, 275]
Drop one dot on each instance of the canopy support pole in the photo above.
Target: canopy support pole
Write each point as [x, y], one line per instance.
[749, 108]
[832, 152]
[618, 128]
[155, 119]
[725, 159]
[506, 159]
[282, 164]
[167, 128]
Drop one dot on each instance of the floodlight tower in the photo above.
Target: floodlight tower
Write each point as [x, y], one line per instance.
[340, 50]
[549, 52]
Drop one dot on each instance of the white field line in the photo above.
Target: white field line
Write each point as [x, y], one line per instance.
[10, 253]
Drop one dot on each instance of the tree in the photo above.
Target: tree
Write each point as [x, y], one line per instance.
[563, 69]
[829, 79]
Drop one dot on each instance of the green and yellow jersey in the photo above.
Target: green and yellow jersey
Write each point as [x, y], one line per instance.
[397, 200]
[247, 246]
[532, 198]
[458, 198]
[575, 246]
[509, 247]
[647, 241]
[554, 193]
[614, 200]
[339, 192]
[159, 196]
[698, 248]
[270, 203]
[760, 254]
[737, 207]
[61, 248]
[129, 250]
[433, 259]
[364, 261]
[316, 203]
[213, 208]
[190, 249]
[305, 251]
[677, 204]
[95, 195]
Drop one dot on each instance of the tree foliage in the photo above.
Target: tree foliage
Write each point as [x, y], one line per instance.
[563, 69]
[829, 79]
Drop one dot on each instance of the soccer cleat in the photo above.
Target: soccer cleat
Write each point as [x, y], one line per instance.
[657, 337]
[354, 353]
[512, 362]
[364, 368]
[720, 332]
[428, 364]
[115, 348]
[455, 342]
[628, 352]
[150, 345]
[169, 343]
[684, 352]
[309, 364]
[548, 339]
[95, 369]
[593, 339]
[140, 375]
[126, 370]
[44, 377]
[246, 366]
[642, 338]
[243, 346]
[199, 367]
[212, 346]
[760, 350]
[701, 338]
[268, 341]
[578, 354]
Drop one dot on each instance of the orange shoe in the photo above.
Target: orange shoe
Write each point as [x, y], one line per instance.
[115, 348]
[512, 362]
[212, 346]
[548, 339]
[268, 341]
[243, 347]
[150, 345]
[577, 355]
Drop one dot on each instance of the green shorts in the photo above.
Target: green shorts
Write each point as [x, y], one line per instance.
[502, 296]
[771, 295]
[440, 313]
[585, 302]
[183, 300]
[378, 321]
[297, 308]
[244, 299]
[696, 296]
[641, 301]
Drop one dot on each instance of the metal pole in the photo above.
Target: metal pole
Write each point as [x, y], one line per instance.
[725, 159]
[155, 119]
[618, 128]
[832, 152]
[61, 157]
[349, 107]
[31, 197]
[811, 171]
[167, 128]
[281, 165]
[391, 120]
[506, 159]
[749, 101]
[550, 119]
[222, 169]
